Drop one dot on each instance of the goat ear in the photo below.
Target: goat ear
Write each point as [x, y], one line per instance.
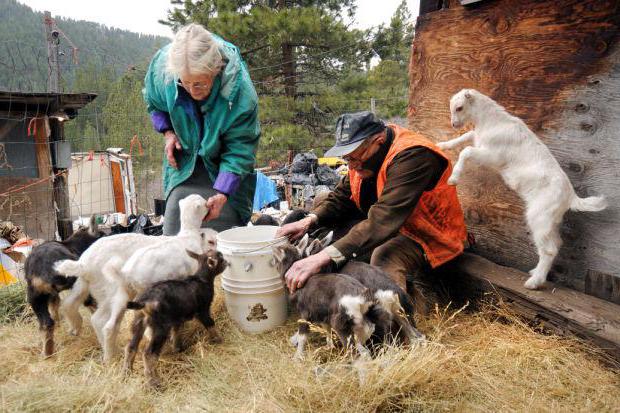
[92, 225]
[303, 243]
[327, 240]
[193, 255]
[313, 248]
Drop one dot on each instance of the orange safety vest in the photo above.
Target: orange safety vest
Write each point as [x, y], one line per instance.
[437, 221]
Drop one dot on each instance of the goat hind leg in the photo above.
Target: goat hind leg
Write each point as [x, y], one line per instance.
[112, 325]
[151, 355]
[70, 306]
[40, 307]
[548, 243]
[137, 328]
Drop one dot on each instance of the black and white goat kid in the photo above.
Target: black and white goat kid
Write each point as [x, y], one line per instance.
[45, 284]
[334, 301]
[166, 305]
[388, 295]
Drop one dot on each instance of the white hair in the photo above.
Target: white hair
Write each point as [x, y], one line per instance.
[194, 51]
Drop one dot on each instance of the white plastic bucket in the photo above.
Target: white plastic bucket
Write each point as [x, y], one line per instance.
[253, 290]
[258, 286]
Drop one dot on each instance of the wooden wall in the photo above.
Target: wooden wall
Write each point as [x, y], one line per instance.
[555, 64]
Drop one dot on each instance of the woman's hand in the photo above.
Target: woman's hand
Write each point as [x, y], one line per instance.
[172, 143]
[301, 270]
[215, 205]
[295, 230]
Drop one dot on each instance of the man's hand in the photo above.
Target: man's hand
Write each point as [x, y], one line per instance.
[215, 205]
[172, 143]
[300, 271]
[295, 230]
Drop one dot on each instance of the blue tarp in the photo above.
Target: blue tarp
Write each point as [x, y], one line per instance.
[266, 191]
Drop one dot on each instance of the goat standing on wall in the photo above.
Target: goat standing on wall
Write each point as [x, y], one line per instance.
[505, 143]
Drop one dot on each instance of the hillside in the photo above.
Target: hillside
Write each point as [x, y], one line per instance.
[23, 53]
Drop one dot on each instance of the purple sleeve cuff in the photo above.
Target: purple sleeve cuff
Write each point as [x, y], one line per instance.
[227, 182]
[161, 121]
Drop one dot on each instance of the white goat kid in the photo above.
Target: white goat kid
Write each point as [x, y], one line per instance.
[100, 272]
[504, 143]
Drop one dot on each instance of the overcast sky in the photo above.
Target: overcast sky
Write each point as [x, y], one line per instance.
[142, 15]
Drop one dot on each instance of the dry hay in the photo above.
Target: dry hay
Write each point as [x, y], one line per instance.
[473, 362]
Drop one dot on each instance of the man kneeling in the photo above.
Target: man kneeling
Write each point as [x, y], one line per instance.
[409, 217]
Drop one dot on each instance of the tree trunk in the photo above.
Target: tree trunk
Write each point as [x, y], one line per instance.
[288, 61]
[288, 70]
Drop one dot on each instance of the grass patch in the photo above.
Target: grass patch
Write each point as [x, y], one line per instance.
[13, 304]
[473, 362]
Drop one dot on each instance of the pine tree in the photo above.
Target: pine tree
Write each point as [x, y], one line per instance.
[289, 45]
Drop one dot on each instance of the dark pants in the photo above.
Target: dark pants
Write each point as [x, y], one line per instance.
[199, 183]
[404, 261]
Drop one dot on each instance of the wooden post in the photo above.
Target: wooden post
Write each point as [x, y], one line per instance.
[61, 188]
[288, 188]
[53, 70]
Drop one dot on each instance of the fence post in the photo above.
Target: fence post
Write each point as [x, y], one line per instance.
[61, 189]
[52, 39]
[372, 105]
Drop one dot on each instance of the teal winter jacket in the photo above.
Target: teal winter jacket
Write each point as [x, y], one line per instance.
[224, 136]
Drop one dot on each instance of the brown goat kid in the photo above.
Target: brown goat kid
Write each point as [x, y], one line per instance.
[45, 284]
[335, 301]
[166, 305]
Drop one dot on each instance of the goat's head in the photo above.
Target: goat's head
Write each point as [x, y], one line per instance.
[85, 236]
[461, 106]
[193, 210]
[284, 256]
[208, 239]
[212, 262]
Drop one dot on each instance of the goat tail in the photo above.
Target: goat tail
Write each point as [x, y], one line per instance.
[135, 305]
[111, 271]
[69, 268]
[592, 203]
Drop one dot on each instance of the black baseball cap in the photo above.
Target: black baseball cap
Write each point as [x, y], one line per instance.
[352, 129]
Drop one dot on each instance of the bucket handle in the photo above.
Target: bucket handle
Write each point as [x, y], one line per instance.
[271, 244]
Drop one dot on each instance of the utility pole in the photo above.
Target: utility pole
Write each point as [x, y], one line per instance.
[60, 186]
[52, 38]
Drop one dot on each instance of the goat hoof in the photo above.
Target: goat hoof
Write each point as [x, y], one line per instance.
[215, 338]
[533, 283]
[155, 383]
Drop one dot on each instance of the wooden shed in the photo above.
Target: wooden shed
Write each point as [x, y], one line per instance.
[33, 155]
[556, 65]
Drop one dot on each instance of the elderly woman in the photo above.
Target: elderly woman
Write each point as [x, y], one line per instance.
[201, 98]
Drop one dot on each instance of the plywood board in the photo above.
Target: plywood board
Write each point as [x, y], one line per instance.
[555, 64]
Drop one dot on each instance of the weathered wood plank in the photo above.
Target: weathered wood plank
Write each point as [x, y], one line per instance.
[555, 64]
[561, 310]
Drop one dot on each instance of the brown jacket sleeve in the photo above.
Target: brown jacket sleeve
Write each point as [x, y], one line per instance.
[411, 173]
[337, 205]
